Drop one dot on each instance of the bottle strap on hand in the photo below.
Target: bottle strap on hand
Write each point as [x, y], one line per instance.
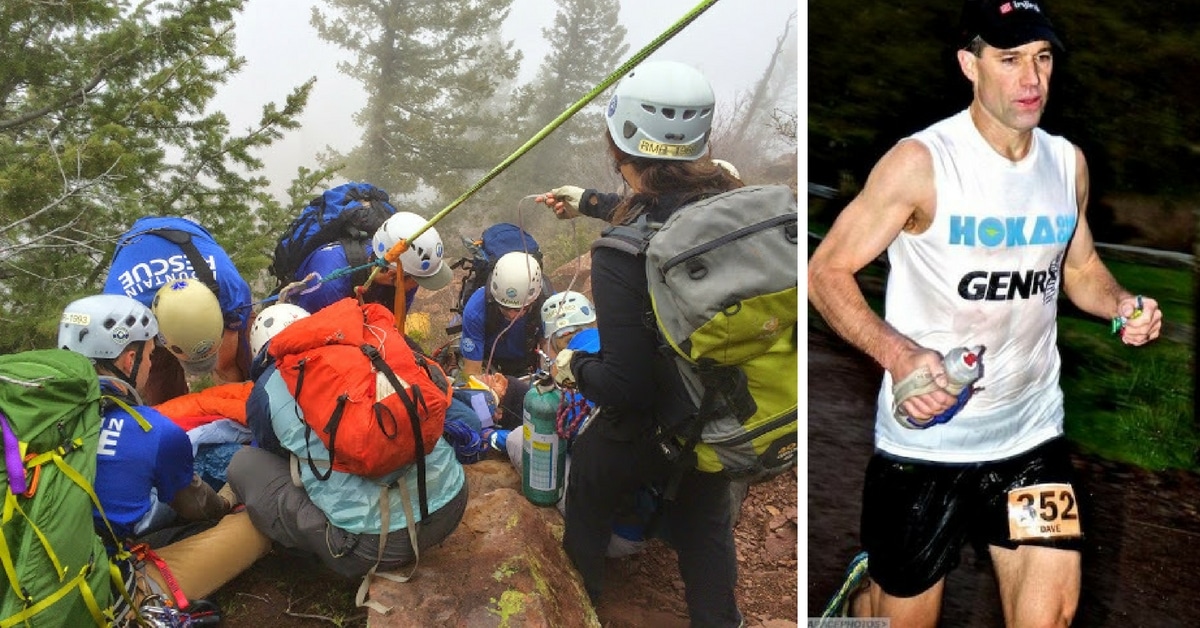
[916, 383]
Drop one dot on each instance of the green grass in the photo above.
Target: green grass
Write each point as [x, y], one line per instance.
[1134, 404]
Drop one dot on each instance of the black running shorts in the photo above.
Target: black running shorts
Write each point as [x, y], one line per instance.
[917, 515]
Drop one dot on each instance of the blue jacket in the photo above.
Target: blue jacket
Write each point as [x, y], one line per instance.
[476, 343]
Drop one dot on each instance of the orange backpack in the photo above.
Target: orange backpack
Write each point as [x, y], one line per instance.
[375, 404]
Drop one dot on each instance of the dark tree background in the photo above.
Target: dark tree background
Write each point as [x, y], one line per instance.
[1125, 90]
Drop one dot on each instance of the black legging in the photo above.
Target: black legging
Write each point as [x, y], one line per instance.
[604, 472]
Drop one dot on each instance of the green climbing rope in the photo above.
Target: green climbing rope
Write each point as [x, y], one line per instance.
[608, 81]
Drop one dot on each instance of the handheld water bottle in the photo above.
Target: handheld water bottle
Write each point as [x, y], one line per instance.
[543, 451]
[964, 367]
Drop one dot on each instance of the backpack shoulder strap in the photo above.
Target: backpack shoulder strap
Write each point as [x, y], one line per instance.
[184, 240]
[631, 238]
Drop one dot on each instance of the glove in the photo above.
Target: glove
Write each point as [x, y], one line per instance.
[570, 196]
[562, 369]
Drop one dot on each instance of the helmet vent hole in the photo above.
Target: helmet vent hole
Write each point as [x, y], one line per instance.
[629, 129]
[675, 137]
[109, 323]
[648, 108]
[688, 114]
[669, 113]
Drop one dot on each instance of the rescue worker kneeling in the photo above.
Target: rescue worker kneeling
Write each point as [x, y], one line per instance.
[355, 525]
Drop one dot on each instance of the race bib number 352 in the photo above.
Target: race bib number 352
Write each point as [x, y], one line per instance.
[1043, 512]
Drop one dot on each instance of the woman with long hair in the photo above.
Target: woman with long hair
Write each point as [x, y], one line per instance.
[658, 126]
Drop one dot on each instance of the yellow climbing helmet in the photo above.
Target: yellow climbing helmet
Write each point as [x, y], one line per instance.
[190, 323]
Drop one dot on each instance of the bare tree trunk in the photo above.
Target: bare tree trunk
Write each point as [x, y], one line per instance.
[761, 88]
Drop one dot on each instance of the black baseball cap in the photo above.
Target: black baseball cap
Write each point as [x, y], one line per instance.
[1007, 23]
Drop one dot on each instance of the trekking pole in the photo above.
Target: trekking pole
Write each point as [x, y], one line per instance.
[394, 253]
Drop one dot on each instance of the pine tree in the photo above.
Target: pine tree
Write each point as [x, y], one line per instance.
[587, 43]
[425, 68]
[102, 121]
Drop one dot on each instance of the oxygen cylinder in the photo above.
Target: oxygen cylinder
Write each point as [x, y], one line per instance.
[543, 451]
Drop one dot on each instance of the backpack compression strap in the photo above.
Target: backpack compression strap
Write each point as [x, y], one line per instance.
[331, 426]
[79, 581]
[410, 405]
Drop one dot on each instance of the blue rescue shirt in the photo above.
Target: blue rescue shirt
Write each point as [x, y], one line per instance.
[143, 262]
[131, 461]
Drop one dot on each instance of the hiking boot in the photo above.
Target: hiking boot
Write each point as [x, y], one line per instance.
[229, 496]
[856, 582]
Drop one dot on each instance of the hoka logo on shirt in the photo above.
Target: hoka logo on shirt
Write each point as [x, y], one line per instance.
[1011, 231]
[152, 274]
[1006, 285]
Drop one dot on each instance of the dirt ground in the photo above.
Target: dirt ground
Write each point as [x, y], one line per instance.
[1139, 559]
[645, 589]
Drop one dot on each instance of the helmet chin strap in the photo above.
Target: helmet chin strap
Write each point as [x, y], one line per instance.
[137, 364]
[129, 378]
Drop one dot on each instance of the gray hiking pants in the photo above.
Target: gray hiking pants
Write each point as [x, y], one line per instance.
[284, 512]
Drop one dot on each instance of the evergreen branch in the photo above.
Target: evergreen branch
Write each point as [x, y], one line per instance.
[173, 71]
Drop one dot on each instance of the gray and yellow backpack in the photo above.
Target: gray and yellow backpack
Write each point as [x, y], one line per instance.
[722, 274]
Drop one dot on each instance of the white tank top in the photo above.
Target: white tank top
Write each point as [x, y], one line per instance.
[987, 271]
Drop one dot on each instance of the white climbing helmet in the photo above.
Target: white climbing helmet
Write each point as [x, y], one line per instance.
[662, 110]
[516, 280]
[272, 320]
[190, 323]
[565, 312]
[103, 325]
[423, 258]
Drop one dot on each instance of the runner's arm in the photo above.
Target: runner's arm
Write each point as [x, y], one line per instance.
[899, 195]
[1089, 284]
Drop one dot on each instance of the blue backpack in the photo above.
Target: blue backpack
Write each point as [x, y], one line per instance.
[348, 214]
[493, 243]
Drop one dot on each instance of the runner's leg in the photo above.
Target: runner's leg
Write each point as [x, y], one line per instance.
[1039, 581]
[914, 524]
[919, 611]
[1039, 586]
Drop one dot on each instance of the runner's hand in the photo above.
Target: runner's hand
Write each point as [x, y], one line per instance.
[1142, 320]
[926, 405]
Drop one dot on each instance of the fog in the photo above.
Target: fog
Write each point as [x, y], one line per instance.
[731, 43]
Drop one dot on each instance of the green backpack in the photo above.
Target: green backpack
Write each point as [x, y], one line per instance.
[56, 570]
[722, 274]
